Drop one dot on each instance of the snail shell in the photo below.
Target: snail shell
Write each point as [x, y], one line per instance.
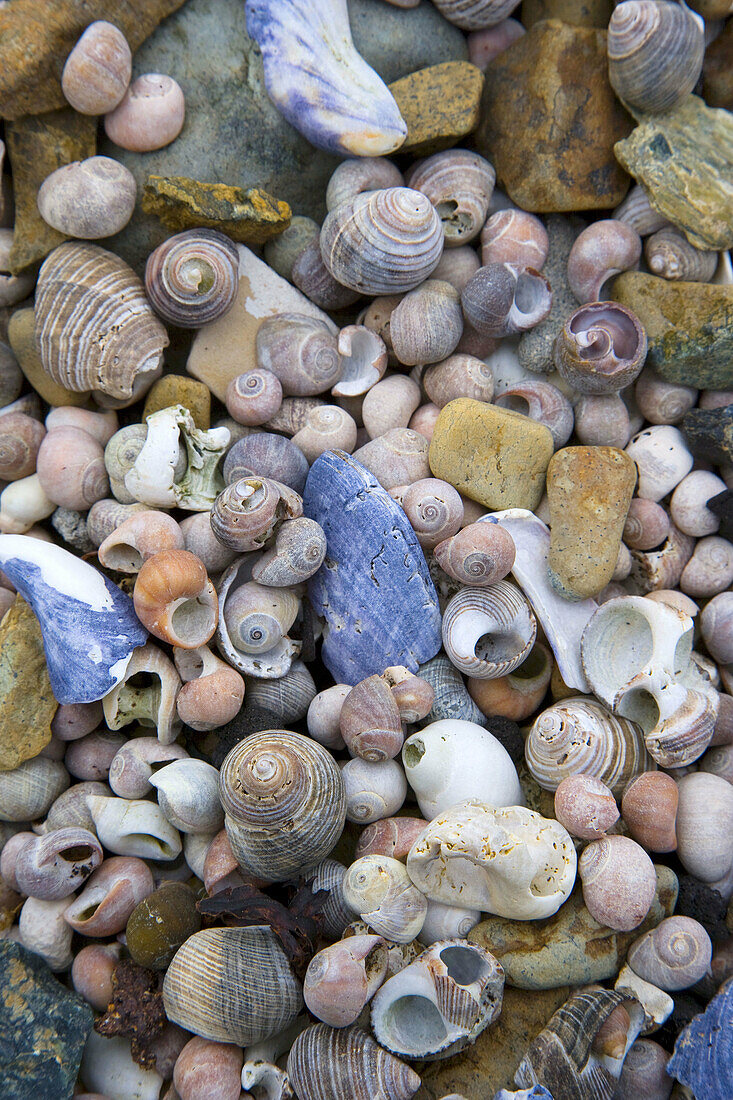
[480, 554]
[655, 53]
[313, 278]
[342, 978]
[20, 438]
[475, 15]
[543, 402]
[94, 326]
[346, 1064]
[662, 568]
[451, 694]
[329, 875]
[662, 402]
[248, 512]
[672, 956]
[264, 454]
[90, 198]
[399, 457]
[193, 277]
[434, 509]
[585, 806]
[358, 174]
[459, 184]
[91, 973]
[514, 237]
[252, 631]
[605, 248]
[374, 790]
[138, 538]
[134, 827]
[42, 930]
[27, 792]
[649, 809]
[284, 801]
[670, 255]
[519, 694]
[718, 760]
[458, 376]
[503, 300]
[488, 632]
[380, 890]
[109, 896]
[602, 420]
[232, 985]
[301, 351]
[647, 524]
[384, 242]
[457, 265]
[120, 455]
[149, 699]
[70, 808]
[175, 600]
[689, 504]
[413, 695]
[705, 825]
[370, 721]
[637, 212]
[208, 1071]
[188, 795]
[710, 569]
[71, 470]
[389, 405]
[363, 360]
[619, 882]
[644, 1072]
[98, 70]
[253, 397]
[259, 1075]
[427, 324]
[292, 414]
[328, 428]
[717, 627]
[298, 553]
[601, 348]
[149, 115]
[324, 715]
[52, 866]
[390, 836]
[447, 922]
[135, 762]
[286, 698]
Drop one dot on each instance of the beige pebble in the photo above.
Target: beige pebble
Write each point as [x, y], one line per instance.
[89, 199]
[150, 115]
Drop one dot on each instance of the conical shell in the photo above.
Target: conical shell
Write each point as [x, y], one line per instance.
[94, 326]
[193, 277]
[234, 985]
[346, 1064]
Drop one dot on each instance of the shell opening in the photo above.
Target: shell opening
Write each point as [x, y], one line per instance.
[534, 665]
[530, 292]
[464, 966]
[194, 619]
[514, 402]
[124, 558]
[76, 853]
[413, 753]
[603, 325]
[641, 707]
[498, 647]
[414, 1023]
[626, 643]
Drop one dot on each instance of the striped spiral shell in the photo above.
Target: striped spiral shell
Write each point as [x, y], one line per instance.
[475, 15]
[670, 255]
[94, 326]
[459, 184]
[637, 211]
[383, 242]
[192, 278]
[488, 632]
[346, 1064]
[249, 511]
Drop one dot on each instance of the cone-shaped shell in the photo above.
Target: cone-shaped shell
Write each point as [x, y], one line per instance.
[95, 328]
[655, 53]
[346, 1064]
[193, 277]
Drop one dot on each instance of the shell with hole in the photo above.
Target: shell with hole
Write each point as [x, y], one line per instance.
[459, 183]
[253, 626]
[488, 632]
[175, 600]
[380, 890]
[146, 694]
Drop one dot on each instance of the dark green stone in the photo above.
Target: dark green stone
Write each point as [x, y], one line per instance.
[710, 434]
[160, 923]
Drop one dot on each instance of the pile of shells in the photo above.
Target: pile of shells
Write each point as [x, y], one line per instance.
[319, 732]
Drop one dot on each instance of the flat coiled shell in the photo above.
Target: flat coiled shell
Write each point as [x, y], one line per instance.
[383, 242]
[95, 328]
[346, 1064]
[488, 632]
[193, 277]
[284, 801]
[578, 735]
[232, 985]
[459, 184]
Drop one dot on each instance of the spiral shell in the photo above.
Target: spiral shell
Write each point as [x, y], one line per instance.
[637, 212]
[390, 836]
[175, 600]
[434, 509]
[655, 53]
[649, 809]
[137, 539]
[710, 569]
[427, 324]
[135, 762]
[312, 277]
[605, 248]
[662, 402]
[328, 428]
[514, 237]
[619, 882]
[53, 866]
[94, 326]
[342, 978]
[246, 514]
[20, 438]
[380, 890]
[358, 174]
[27, 792]
[346, 1064]
[670, 255]
[384, 242]
[374, 790]
[543, 402]
[399, 457]
[647, 524]
[301, 351]
[481, 554]
[284, 801]
[672, 956]
[264, 454]
[601, 348]
[689, 504]
[298, 553]
[503, 300]
[459, 184]
[370, 721]
[258, 617]
[488, 632]
[475, 15]
[253, 397]
[458, 376]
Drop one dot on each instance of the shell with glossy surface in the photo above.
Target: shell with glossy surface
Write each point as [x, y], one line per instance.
[672, 956]
[188, 795]
[649, 809]
[380, 890]
[459, 183]
[109, 896]
[488, 632]
[135, 763]
[301, 351]
[514, 237]
[604, 249]
[601, 348]
[619, 881]
[134, 827]
[175, 600]
[193, 277]
[502, 299]
[346, 1064]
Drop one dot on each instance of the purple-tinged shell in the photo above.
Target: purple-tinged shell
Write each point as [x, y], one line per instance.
[703, 1053]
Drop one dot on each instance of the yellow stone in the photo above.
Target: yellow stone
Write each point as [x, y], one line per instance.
[27, 703]
[440, 105]
[491, 455]
[251, 217]
[178, 389]
[21, 336]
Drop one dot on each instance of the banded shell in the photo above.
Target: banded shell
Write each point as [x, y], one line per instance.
[383, 242]
[250, 511]
[670, 255]
[579, 735]
[488, 632]
[672, 956]
[193, 277]
[503, 299]
[451, 694]
[346, 1064]
[637, 211]
[475, 15]
[358, 174]
[301, 351]
[459, 184]
[95, 328]
[264, 454]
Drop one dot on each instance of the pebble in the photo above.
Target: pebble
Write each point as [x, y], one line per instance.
[580, 13]
[178, 389]
[252, 216]
[709, 433]
[717, 70]
[27, 704]
[440, 105]
[589, 490]
[492, 455]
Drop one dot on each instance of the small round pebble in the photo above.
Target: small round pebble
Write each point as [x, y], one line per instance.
[98, 70]
[150, 115]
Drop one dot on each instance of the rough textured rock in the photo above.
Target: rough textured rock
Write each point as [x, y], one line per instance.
[27, 704]
[710, 434]
[492, 455]
[43, 1028]
[251, 217]
[684, 161]
[177, 389]
[440, 105]
[37, 146]
[535, 347]
[689, 327]
[21, 337]
[550, 120]
[581, 13]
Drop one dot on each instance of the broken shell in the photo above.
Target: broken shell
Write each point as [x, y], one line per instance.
[601, 348]
[585, 806]
[149, 115]
[341, 979]
[370, 721]
[502, 299]
[358, 174]
[657, 1005]
[346, 1064]
[604, 249]
[519, 694]
[212, 693]
[259, 1075]
[488, 632]
[175, 600]
[135, 763]
[514, 237]
[662, 568]
[53, 866]
[179, 464]
[481, 554]
[193, 277]
[188, 795]
[670, 255]
[649, 809]
[363, 360]
[98, 69]
[301, 351]
[104, 906]
[134, 827]
[136, 539]
[413, 695]
[619, 882]
[459, 184]
[427, 324]
[379, 889]
[249, 512]
[543, 402]
[458, 376]
[151, 702]
[374, 790]
[672, 956]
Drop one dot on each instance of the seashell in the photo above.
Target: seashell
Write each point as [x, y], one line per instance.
[151, 702]
[342, 979]
[447, 922]
[585, 806]
[543, 402]
[94, 326]
[514, 237]
[689, 504]
[637, 211]
[100, 425]
[90, 758]
[179, 464]
[390, 836]
[658, 1005]
[363, 360]
[619, 881]
[502, 299]
[376, 317]
[70, 808]
[108, 1065]
[508, 860]
[649, 809]
[704, 825]
[232, 985]
[483, 47]
[389, 405]
[451, 695]
[517, 695]
[701, 1057]
[358, 174]
[474, 15]
[199, 539]
[674, 955]
[261, 1075]
[578, 735]
[398, 457]
[434, 760]
[604, 249]
[284, 801]
[136, 761]
[71, 470]
[134, 827]
[298, 553]
[383, 242]
[11, 376]
[192, 277]
[253, 397]
[379, 889]
[336, 914]
[257, 618]
[312, 277]
[89, 198]
[458, 376]
[42, 930]
[662, 568]
[205, 1070]
[324, 716]
[292, 414]
[137, 539]
[301, 351]
[562, 1058]
[251, 510]
[710, 569]
[456, 266]
[91, 973]
[662, 402]
[50, 867]
[601, 348]
[370, 722]
[670, 255]
[97, 71]
[160, 924]
[459, 184]
[427, 324]
[440, 1003]
[188, 795]
[373, 790]
[20, 438]
[263, 454]
[434, 509]
[716, 622]
[346, 1064]
[413, 695]
[328, 428]
[13, 288]
[120, 455]
[479, 555]
[647, 524]
[22, 504]
[104, 906]
[344, 107]
[602, 421]
[718, 761]
[488, 632]
[655, 54]
[149, 116]
[175, 600]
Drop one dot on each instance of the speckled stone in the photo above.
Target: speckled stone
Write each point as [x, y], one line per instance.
[440, 105]
[535, 346]
[709, 434]
[589, 490]
[43, 1028]
[27, 704]
[581, 13]
[251, 216]
[21, 337]
[689, 327]
[178, 389]
[492, 455]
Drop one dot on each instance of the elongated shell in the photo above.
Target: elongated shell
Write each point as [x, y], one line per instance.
[670, 255]
[134, 827]
[672, 956]
[601, 347]
[284, 801]
[655, 53]
[384, 242]
[94, 326]
[346, 1064]
[232, 985]
[459, 184]
[488, 632]
[380, 890]
[193, 277]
